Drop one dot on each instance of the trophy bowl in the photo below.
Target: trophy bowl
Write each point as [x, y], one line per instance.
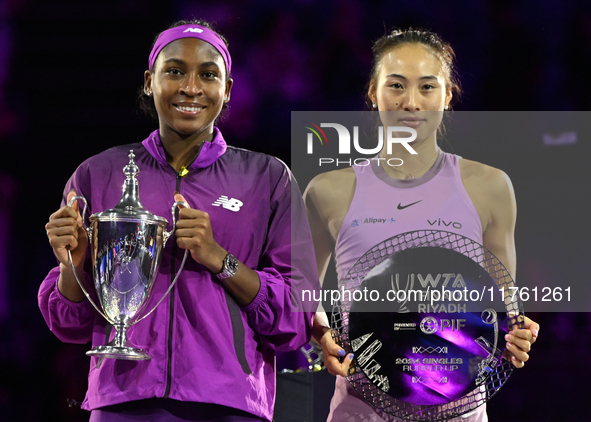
[126, 247]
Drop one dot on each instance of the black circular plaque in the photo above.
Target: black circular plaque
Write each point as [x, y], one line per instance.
[425, 314]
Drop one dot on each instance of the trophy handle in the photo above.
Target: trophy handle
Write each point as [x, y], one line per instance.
[165, 237]
[88, 232]
[167, 291]
[83, 199]
[175, 206]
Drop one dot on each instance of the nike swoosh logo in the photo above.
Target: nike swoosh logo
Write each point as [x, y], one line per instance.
[401, 207]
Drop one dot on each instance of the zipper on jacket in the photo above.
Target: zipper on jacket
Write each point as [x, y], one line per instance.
[175, 248]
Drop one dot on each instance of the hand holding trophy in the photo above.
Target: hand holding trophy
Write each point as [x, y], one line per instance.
[126, 244]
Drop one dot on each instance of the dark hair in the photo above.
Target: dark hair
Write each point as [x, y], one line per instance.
[430, 40]
[145, 102]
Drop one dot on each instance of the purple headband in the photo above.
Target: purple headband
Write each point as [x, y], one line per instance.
[191, 31]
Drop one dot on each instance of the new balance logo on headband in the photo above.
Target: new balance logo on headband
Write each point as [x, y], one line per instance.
[193, 30]
[231, 204]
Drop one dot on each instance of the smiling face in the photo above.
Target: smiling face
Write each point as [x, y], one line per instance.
[411, 89]
[189, 85]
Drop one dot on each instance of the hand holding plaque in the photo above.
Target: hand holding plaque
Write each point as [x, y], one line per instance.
[424, 313]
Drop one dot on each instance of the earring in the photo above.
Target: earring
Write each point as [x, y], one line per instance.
[148, 93]
[373, 105]
[446, 107]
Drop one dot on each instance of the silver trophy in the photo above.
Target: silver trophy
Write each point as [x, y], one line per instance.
[126, 245]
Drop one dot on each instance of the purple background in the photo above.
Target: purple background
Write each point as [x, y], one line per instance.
[69, 75]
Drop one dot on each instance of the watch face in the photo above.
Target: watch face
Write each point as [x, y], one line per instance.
[230, 267]
[232, 263]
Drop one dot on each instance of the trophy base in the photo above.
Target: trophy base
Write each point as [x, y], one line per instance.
[115, 352]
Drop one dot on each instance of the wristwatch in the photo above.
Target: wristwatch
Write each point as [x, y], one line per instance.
[229, 267]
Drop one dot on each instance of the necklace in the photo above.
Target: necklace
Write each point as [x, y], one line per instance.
[410, 175]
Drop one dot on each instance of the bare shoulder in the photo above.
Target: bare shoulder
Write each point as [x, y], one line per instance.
[490, 190]
[336, 185]
[484, 178]
[328, 197]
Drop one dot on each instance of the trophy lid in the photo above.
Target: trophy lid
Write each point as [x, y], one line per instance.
[130, 206]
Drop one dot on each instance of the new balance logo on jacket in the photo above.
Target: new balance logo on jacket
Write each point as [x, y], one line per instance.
[231, 204]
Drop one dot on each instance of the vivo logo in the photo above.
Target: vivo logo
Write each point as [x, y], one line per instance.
[439, 222]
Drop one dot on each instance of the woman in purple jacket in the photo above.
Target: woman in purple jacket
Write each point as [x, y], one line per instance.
[213, 342]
